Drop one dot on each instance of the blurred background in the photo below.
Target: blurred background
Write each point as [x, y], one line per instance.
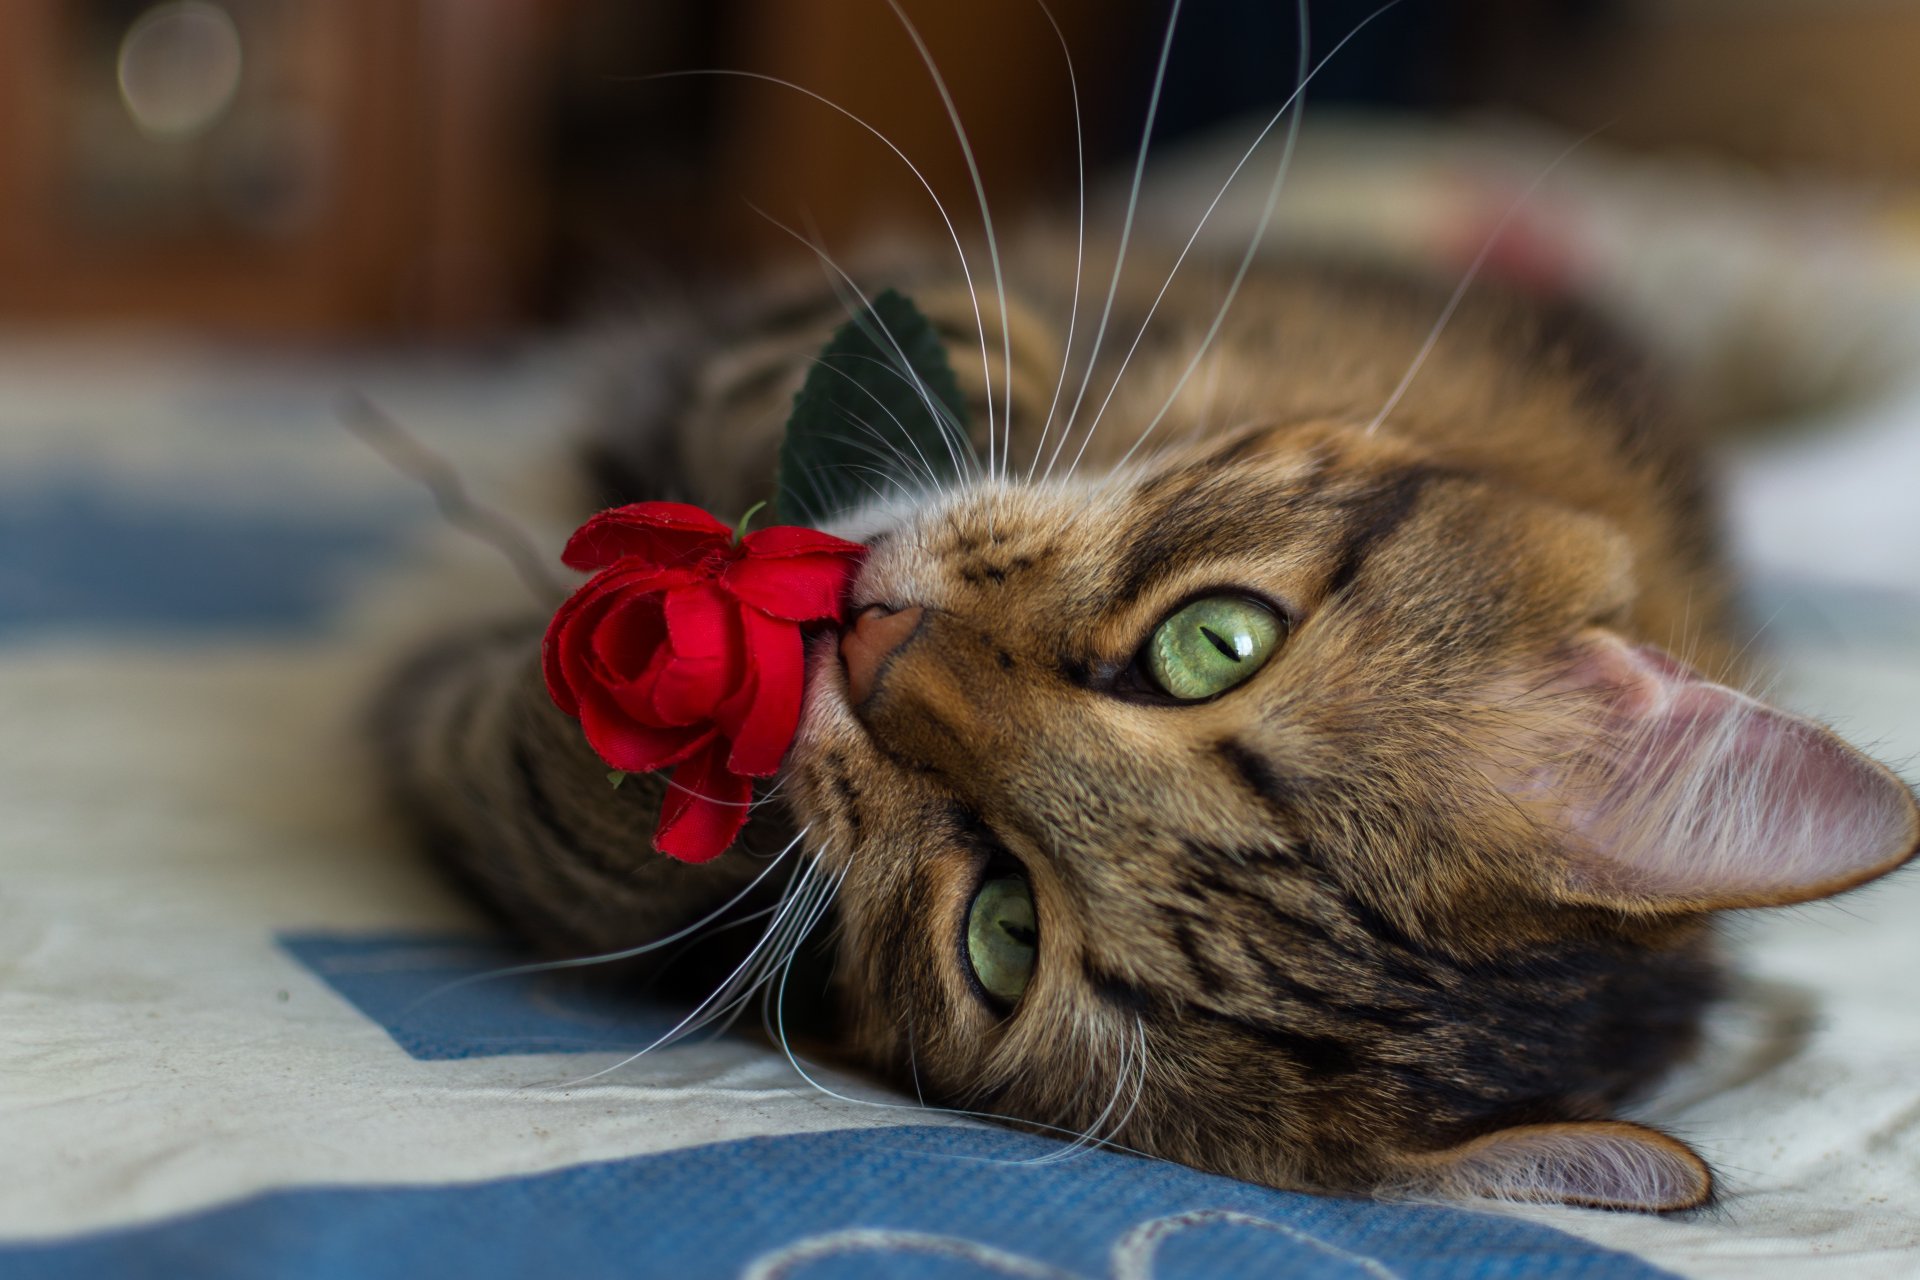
[353, 170]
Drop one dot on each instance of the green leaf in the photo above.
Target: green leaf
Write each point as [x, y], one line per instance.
[616, 777]
[879, 409]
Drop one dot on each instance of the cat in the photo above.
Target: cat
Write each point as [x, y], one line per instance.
[1276, 766]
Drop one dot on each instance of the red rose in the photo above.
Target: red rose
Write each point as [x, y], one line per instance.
[685, 650]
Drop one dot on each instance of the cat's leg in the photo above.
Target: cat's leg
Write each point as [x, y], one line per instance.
[502, 785]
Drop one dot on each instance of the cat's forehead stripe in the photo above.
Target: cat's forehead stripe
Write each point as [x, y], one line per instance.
[1374, 516]
[1206, 517]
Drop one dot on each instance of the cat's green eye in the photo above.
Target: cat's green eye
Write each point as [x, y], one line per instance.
[1211, 645]
[1002, 937]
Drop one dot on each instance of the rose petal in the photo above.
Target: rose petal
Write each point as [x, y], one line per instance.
[636, 696]
[705, 807]
[689, 692]
[600, 638]
[550, 666]
[703, 632]
[629, 634]
[792, 540]
[570, 636]
[566, 652]
[762, 721]
[660, 534]
[700, 622]
[801, 588]
[625, 743]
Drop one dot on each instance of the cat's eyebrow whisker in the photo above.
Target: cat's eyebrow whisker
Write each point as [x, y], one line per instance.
[1126, 226]
[1139, 1085]
[1079, 247]
[966, 269]
[925, 463]
[913, 1057]
[1254, 241]
[876, 446]
[609, 957]
[1303, 77]
[1473, 273]
[993, 243]
[861, 315]
[1753, 638]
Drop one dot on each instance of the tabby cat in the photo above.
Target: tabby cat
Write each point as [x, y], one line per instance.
[1300, 794]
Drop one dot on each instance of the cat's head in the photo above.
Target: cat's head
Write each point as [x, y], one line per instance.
[1301, 809]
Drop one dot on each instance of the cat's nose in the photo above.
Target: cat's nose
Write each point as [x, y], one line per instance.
[870, 641]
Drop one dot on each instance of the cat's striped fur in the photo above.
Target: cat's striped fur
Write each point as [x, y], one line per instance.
[1340, 928]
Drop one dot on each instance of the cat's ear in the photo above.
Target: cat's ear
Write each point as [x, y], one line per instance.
[1596, 1164]
[1682, 794]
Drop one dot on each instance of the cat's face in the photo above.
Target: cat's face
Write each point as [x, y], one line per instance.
[1375, 870]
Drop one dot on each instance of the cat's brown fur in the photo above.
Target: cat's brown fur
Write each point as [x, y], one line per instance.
[1330, 930]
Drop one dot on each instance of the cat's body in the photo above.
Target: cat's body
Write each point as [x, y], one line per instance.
[1415, 905]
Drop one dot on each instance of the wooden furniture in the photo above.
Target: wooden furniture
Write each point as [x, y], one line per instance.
[371, 172]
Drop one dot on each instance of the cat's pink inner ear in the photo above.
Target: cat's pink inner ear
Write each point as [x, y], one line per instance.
[1685, 793]
[1605, 1164]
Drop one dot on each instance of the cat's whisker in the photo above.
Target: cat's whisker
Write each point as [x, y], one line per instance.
[793, 1059]
[953, 436]
[694, 1020]
[1080, 242]
[780, 960]
[788, 934]
[609, 957]
[1303, 77]
[1472, 274]
[1126, 226]
[993, 242]
[867, 476]
[671, 958]
[1124, 1069]
[816, 896]
[756, 802]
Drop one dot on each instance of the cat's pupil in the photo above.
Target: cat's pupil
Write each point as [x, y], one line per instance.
[1231, 651]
